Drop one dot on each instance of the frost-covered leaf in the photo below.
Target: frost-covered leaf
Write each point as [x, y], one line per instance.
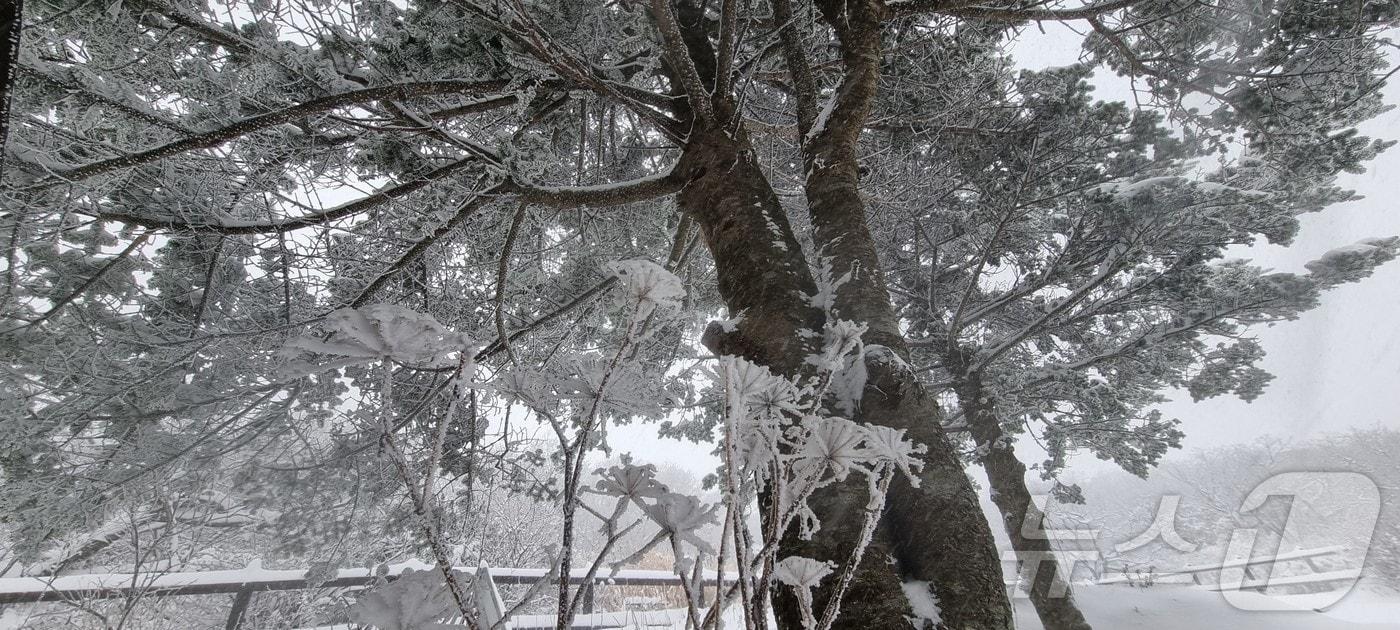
[890, 446]
[647, 284]
[800, 572]
[631, 481]
[756, 386]
[840, 339]
[754, 446]
[414, 601]
[836, 444]
[528, 387]
[682, 516]
[382, 332]
[802, 575]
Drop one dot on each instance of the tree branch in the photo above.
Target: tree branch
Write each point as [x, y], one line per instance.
[372, 200]
[795, 56]
[1138, 67]
[532, 38]
[602, 195]
[502, 274]
[564, 197]
[271, 119]
[209, 32]
[73, 86]
[728, 46]
[1110, 268]
[681, 246]
[673, 46]
[87, 284]
[464, 211]
[971, 10]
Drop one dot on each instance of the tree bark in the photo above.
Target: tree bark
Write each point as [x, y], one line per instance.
[763, 278]
[1049, 591]
[935, 533]
[937, 530]
[11, 22]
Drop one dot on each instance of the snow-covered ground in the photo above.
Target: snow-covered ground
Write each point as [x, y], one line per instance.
[1161, 607]
[1179, 607]
[1173, 607]
[1107, 607]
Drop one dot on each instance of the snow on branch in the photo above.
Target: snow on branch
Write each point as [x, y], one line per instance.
[977, 11]
[244, 127]
[1353, 262]
[602, 195]
[233, 226]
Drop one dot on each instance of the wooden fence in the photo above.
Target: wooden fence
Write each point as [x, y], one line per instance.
[245, 583]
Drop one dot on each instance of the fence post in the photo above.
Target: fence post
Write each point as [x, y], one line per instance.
[588, 598]
[240, 606]
[490, 608]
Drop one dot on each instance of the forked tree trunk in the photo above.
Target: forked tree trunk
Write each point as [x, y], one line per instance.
[763, 277]
[941, 541]
[935, 533]
[1049, 591]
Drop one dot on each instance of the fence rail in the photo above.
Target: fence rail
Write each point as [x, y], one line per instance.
[1193, 574]
[254, 578]
[244, 583]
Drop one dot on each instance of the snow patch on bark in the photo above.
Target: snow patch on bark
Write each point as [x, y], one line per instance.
[923, 602]
[848, 385]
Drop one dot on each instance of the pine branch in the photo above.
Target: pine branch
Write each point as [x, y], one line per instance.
[463, 212]
[87, 284]
[973, 10]
[83, 91]
[563, 197]
[502, 274]
[728, 46]
[244, 127]
[375, 199]
[673, 46]
[799, 68]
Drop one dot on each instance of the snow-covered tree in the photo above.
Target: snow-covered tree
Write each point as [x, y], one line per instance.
[1067, 300]
[338, 250]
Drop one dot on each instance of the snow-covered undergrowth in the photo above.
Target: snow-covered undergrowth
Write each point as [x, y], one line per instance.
[777, 437]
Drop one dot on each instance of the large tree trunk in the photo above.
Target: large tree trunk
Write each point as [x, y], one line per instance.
[939, 533]
[1049, 591]
[937, 530]
[935, 533]
[934, 536]
[11, 21]
[764, 277]
[940, 538]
